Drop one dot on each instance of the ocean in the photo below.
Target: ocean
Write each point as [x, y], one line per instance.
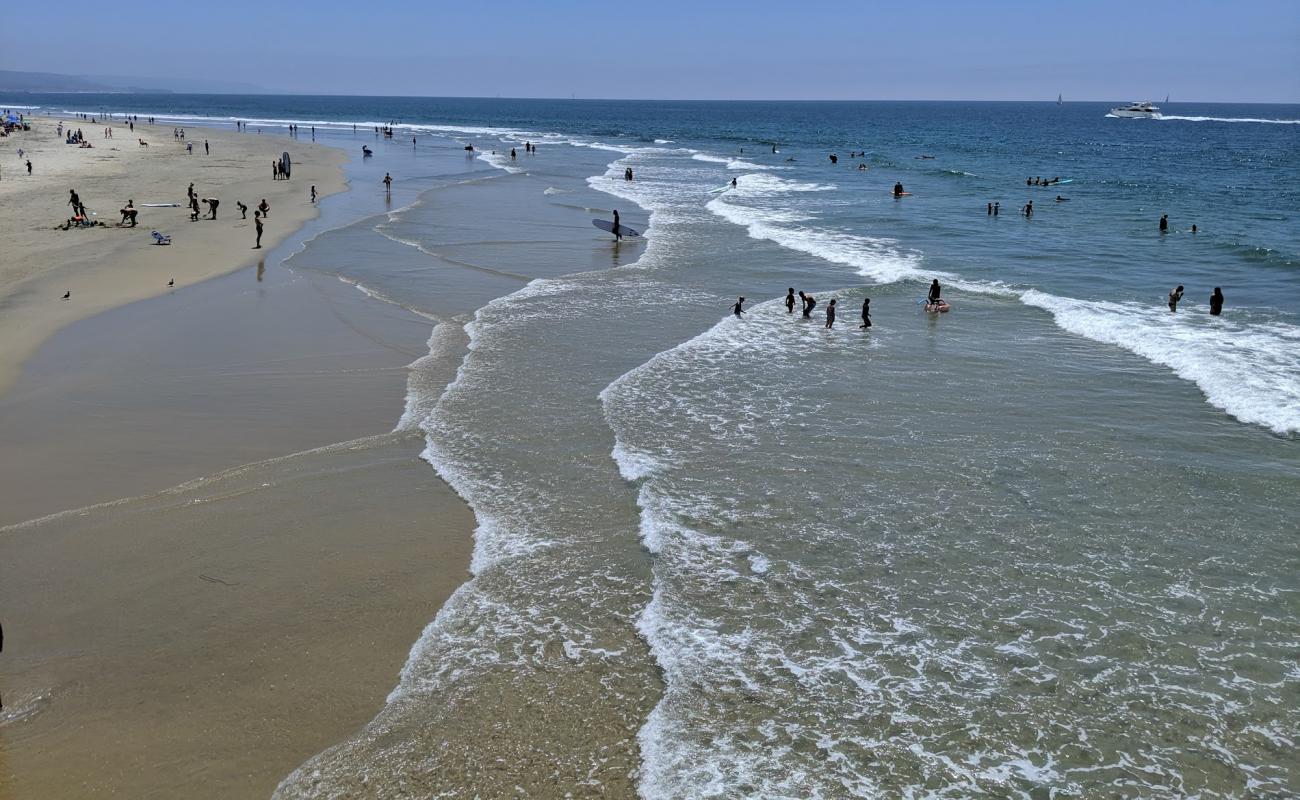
[1044, 545]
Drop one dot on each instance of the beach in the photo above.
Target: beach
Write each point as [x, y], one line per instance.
[195, 599]
[108, 266]
[456, 494]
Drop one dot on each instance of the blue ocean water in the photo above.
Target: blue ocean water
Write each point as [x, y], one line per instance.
[1043, 545]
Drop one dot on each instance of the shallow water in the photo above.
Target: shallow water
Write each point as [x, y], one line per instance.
[1042, 545]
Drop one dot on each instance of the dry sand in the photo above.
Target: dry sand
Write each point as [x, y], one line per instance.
[106, 267]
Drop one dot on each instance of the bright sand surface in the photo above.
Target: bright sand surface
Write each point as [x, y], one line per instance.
[236, 551]
[106, 267]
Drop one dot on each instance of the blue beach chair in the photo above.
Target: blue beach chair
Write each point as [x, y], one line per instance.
[158, 238]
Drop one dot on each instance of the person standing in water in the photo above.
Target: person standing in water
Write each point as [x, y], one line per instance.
[1164, 223]
[388, 183]
[739, 307]
[830, 314]
[898, 189]
[618, 236]
[1216, 302]
[789, 300]
[809, 303]
[1174, 297]
[866, 312]
[935, 294]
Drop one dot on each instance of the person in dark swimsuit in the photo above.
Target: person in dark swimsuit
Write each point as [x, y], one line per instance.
[739, 307]
[1174, 297]
[1216, 302]
[935, 293]
[789, 300]
[898, 189]
[830, 314]
[866, 312]
[617, 233]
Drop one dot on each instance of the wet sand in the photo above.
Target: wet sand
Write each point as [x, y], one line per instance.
[218, 553]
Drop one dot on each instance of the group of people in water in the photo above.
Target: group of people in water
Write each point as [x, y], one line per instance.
[1216, 300]
[808, 303]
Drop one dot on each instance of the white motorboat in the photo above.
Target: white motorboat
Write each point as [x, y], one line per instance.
[1143, 110]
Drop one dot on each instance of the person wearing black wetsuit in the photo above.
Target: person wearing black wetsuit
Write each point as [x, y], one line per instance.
[1216, 302]
[898, 189]
[739, 307]
[935, 293]
[789, 300]
[1164, 223]
[617, 235]
[866, 312]
[830, 314]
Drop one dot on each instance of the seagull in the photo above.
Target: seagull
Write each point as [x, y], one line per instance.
[171, 282]
[67, 294]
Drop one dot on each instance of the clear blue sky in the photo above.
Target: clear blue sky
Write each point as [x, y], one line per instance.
[1246, 51]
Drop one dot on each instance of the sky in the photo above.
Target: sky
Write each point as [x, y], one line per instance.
[1246, 51]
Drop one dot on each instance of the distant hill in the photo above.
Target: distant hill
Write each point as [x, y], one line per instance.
[15, 81]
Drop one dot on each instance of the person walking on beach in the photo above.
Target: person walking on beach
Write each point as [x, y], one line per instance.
[1216, 302]
[1174, 296]
[618, 235]
[388, 183]
[866, 313]
[29, 166]
[74, 201]
[275, 170]
[789, 300]
[190, 192]
[830, 314]
[205, 148]
[257, 222]
[313, 193]
[739, 307]
[935, 294]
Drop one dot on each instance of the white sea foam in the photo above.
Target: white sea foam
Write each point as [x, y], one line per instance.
[1251, 371]
[1177, 118]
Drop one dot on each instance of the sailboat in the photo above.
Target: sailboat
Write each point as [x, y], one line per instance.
[1058, 99]
[1166, 99]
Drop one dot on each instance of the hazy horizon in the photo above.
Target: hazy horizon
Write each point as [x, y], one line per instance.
[1108, 51]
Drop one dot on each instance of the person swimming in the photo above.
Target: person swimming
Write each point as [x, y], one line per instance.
[739, 307]
[789, 300]
[866, 313]
[830, 314]
[1216, 302]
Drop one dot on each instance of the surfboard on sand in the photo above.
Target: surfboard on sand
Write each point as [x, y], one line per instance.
[608, 227]
[285, 164]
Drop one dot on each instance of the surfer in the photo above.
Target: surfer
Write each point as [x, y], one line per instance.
[866, 313]
[830, 314]
[618, 234]
[1164, 223]
[898, 189]
[1216, 302]
[1174, 297]
[739, 307]
[789, 300]
[1060, 199]
[935, 295]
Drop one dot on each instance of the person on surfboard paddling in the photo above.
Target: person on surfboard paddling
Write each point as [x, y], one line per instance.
[898, 189]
